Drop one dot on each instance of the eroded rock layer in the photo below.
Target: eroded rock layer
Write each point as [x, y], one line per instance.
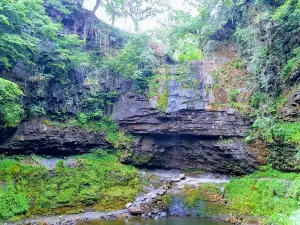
[186, 139]
[37, 136]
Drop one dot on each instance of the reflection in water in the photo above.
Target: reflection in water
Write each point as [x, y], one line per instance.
[165, 221]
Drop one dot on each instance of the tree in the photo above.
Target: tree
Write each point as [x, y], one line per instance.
[139, 10]
[98, 2]
[114, 8]
[22, 24]
[135, 61]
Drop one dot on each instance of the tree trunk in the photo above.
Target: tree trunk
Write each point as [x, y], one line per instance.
[96, 6]
[136, 26]
[113, 20]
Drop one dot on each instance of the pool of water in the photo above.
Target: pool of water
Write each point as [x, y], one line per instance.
[164, 221]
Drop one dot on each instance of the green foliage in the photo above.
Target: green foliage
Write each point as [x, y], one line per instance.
[268, 172]
[11, 111]
[12, 203]
[261, 129]
[23, 24]
[36, 111]
[232, 95]
[158, 89]
[267, 129]
[140, 159]
[135, 61]
[260, 197]
[96, 180]
[287, 132]
[188, 49]
[292, 65]
[257, 99]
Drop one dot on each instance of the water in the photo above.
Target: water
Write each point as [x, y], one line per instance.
[163, 221]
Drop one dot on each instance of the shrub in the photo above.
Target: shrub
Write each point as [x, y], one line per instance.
[35, 111]
[232, 95]
[11, 111]
[12, 202]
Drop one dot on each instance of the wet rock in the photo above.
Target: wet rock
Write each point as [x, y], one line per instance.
[135, 113]
[291, 110]
[162, 192]
[163, 214]
[135, 210]
[202, 153]
[186, 139]
[128, 205]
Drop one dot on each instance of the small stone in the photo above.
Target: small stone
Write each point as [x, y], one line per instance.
[156, 217]
[151, 201]
[149, 214]
[182, 176]
[163, 214]
[152, 195]
[176, 179]
[128, 205]
[60, 217]
[162, 192]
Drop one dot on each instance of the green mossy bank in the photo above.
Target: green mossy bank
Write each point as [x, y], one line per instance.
[94, 181]
[266, 197]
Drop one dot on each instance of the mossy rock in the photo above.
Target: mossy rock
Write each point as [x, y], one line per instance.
[140, 158]
[285, 157]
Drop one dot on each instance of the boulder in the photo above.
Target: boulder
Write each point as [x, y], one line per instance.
[136, 210]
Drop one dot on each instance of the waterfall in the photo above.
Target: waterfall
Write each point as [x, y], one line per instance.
[173, 107]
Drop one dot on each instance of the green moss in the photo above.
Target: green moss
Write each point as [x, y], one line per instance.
[97, 180]
[47, 123]
[206, 200]
[163, 101]
[232, 95]
[269, 172]
[11, 202]
[287, 132]
[158, 89]
[139, 158]
[268, 193]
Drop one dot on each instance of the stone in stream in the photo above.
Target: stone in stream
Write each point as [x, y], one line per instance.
[152, 195]
[128, 205]
[162, 192]
[136, 210]
[179, 178]
[163, 214]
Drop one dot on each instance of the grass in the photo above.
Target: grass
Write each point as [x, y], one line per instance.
[268, 192]
[98, 181]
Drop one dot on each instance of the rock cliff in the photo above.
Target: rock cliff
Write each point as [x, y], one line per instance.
[197, 131]
[187, 139]
[39, 137]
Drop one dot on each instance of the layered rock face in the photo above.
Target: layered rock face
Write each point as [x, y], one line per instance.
[187, 139]
[193, 133]
[36, 136]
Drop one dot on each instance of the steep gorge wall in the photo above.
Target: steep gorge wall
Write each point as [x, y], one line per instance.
[198, 131]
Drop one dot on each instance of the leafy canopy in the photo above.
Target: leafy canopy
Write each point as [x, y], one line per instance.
[11, 111]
